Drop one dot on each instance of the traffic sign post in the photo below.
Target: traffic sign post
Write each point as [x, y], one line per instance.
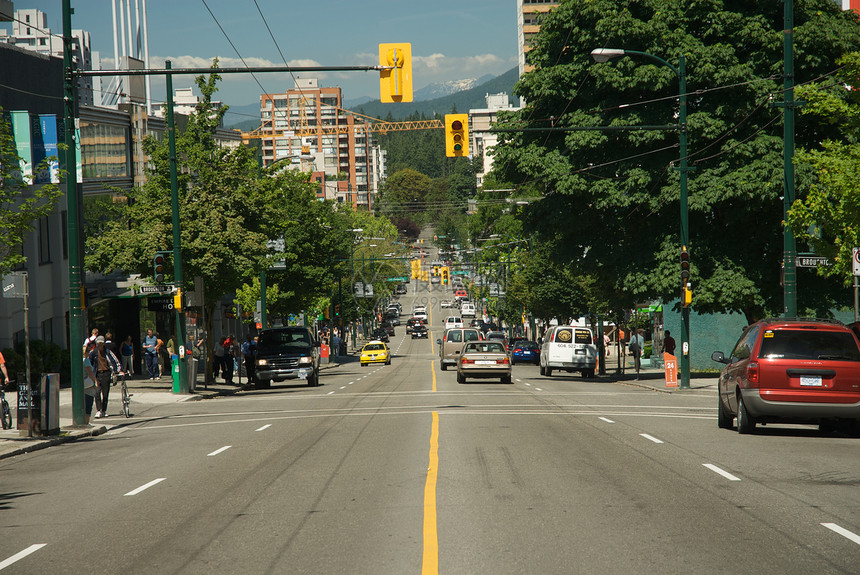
[855, 269]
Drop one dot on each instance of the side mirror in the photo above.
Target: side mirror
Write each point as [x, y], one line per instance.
[439, 341]
[719, 357]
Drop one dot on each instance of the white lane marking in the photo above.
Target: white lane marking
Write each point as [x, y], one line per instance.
[725, 474]
[217, 451]
[329, 393]
[843, 532]
[268, 425]
[650, 438]
[21, 554]
[538, 389]
[350, 383]
[606, 419]
[343, 387]
[144, 487]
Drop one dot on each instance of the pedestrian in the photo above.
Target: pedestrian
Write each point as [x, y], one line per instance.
[171, 351]
[669, 343]
[150, 354]
[159, 353]
[229, 356]
[127, 356]
[110, 345]
[218, 363]
[90, 342]
[90, 387]
[335, 343]
[249, 353]
[106, 366]
[3, 369]
[636, 345]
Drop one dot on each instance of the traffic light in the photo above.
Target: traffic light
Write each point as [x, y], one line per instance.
[444, 275]
[685, 266]
[456, 135]
[686, 296]
[395, 80]
[158, 268]
[337, 310]
[177, 300]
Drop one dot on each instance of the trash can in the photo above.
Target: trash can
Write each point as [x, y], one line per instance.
[49, 391]
[192, 373]
[174, 369]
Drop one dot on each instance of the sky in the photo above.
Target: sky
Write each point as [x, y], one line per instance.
[451, 39]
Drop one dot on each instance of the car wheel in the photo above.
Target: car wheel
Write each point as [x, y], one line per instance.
[388, 362]
[541, 369]
[506, 379]
[443, 366]
[724, 418]
[363, 365]
[314, 380]
[263, 384]
[746, 422]
[460, 378]
[548, 371]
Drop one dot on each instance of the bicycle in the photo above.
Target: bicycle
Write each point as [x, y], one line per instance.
[126, 396]
[5, 411]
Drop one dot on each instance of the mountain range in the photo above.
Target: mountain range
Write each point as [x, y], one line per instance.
[436, 98]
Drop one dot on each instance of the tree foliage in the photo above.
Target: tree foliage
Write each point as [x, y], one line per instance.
[610, 199]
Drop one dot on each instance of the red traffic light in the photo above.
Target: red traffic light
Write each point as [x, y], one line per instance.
[456, 125]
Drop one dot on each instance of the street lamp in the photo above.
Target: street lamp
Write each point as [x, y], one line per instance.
[606, 54]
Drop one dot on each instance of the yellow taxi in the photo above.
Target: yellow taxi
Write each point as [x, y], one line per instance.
[375, 352]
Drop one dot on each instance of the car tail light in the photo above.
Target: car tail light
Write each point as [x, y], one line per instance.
[503, 361]
[467, 360]
[753, 372]
[518, 349]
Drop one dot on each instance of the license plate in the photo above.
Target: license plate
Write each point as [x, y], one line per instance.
[811, 381]
[303, 375]
[527, 353]
[485, 362]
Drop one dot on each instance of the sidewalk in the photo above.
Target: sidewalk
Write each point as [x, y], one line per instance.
[146, 393]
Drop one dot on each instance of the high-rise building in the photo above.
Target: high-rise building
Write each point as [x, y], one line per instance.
[482, 139]
[30, 31]
[529, 13]
[307, 125]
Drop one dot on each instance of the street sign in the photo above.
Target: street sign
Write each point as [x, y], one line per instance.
[156, 289]
[811, 261]
[855, 261]
[160, 303]
[398, 279]
[13, 284]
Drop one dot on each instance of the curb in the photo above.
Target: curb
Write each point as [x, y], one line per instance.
[64, 437]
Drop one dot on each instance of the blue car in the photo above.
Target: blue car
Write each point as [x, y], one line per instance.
[525, 351]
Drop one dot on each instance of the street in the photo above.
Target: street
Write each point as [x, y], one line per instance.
[399, 469]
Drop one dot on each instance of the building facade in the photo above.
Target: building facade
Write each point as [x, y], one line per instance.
[482, 140]
[529, 13]
[307, 128]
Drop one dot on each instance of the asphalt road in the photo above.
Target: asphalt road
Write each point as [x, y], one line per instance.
[398, 469]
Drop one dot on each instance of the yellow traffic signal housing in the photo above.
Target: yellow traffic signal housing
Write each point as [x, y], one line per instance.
[395, 80]
[445, 275]
[177, 300]
[686, 296]
[456, 135]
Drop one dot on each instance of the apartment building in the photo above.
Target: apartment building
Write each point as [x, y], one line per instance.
[480, 122]
[529, 13]
[307, 128]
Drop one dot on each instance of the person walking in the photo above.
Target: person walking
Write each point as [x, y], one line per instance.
[218, 365]
[669, 343]
[636, 345]
[249, 353]
[159, 353]
[90, 387]
[171, 352]
[106, 365]
[90, 342]
[150, 354]
[229, 356]
[335, 343]
[127, 356]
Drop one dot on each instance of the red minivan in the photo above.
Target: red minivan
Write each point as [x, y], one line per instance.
[791, 371]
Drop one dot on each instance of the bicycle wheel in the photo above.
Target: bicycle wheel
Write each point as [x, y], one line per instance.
[126, 400]
[6, 414]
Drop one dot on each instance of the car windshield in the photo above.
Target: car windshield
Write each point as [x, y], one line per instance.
[484, 347]
[374, 347]
[274, 341]
[808, 344]
[525, 344]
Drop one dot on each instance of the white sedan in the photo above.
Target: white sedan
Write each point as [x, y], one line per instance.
[446, 303]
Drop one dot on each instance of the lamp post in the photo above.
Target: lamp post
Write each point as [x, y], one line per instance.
[606, 54]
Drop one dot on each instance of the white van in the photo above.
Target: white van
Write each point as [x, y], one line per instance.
[570, 348]
[467, 310]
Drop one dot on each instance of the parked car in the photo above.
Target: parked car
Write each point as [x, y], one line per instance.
[451, 344]
[400, 289]
[453, 321]
[412, 322]
[484, 359]
[375, 352]
[570, 348]
[523, 350]
[286, 353]
[793, 371]
[380, 333]
[420, 331]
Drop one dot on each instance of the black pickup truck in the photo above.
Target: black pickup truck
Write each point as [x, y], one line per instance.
[287, 353]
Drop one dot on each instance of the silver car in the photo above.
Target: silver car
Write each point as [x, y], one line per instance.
[484, 359]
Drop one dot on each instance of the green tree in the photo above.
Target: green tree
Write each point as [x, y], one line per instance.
[21, 202]
[610, 199]
[828, 217]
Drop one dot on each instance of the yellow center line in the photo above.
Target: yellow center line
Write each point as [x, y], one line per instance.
[430, 562]
[433, 371]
